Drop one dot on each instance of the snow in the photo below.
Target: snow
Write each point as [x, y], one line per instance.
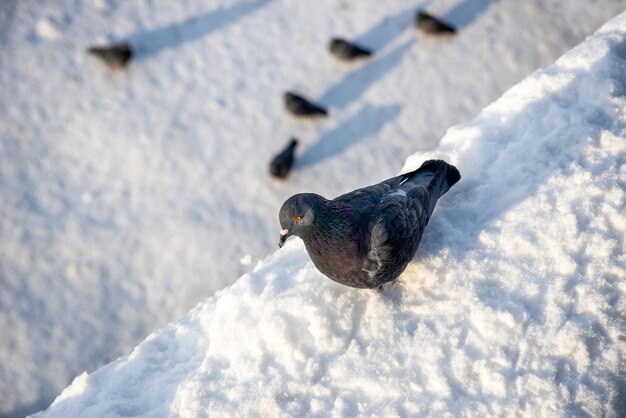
[127, 198]
[515, 304]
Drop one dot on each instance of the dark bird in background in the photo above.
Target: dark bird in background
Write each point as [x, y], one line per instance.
[299, 106]
[115, 56]
[282, 162]
[347, 51]
[430, 24]
[367, 237]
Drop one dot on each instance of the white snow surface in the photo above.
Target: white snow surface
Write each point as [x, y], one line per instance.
[515, 304]
[128, 197]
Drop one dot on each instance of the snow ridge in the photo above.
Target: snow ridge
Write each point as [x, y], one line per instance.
[514, 304]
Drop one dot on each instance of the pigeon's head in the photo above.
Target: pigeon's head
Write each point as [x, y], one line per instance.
[422, 18]
[297, 214]
[290, 97]
[337, 43]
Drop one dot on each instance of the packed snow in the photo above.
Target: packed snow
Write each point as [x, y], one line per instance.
[515, 304]
[128, 197]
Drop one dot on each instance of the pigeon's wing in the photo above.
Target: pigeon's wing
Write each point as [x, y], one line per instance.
[395, 234]
[368, 198]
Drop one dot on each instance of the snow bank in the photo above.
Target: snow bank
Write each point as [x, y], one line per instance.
[515, 302]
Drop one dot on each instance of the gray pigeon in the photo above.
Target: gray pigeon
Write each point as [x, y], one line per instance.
[347, 51]
[367, 237]
[115, 56]
[299, 106]
[428, 23]
[282, 162]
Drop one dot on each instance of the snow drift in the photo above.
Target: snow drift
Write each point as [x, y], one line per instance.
[515, 302]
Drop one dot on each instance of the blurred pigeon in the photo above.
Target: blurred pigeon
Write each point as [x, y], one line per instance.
[115, 56]
[347, 51]
[432, 25]
[300, 106]
[281, 163]
[367, 237]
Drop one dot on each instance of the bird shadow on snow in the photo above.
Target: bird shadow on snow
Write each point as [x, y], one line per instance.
[464, 13]
[386, 31]
[353, 85]
[151, 42]
[369, 120]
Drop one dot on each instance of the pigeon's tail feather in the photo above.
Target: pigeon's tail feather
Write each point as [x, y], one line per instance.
[445, 175]
[437, 176]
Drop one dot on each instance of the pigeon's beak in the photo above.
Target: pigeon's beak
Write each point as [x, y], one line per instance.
[284, 234]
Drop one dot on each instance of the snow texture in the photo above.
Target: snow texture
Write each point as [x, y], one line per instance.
[128, 197]
[515, 304]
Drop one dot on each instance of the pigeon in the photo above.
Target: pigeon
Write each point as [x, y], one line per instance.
[347, 51]
[367, 237]
[432, 25]
[300, 106]
[281, 163]
[115, 56]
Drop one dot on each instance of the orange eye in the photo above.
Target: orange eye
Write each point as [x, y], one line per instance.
[298, 218]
